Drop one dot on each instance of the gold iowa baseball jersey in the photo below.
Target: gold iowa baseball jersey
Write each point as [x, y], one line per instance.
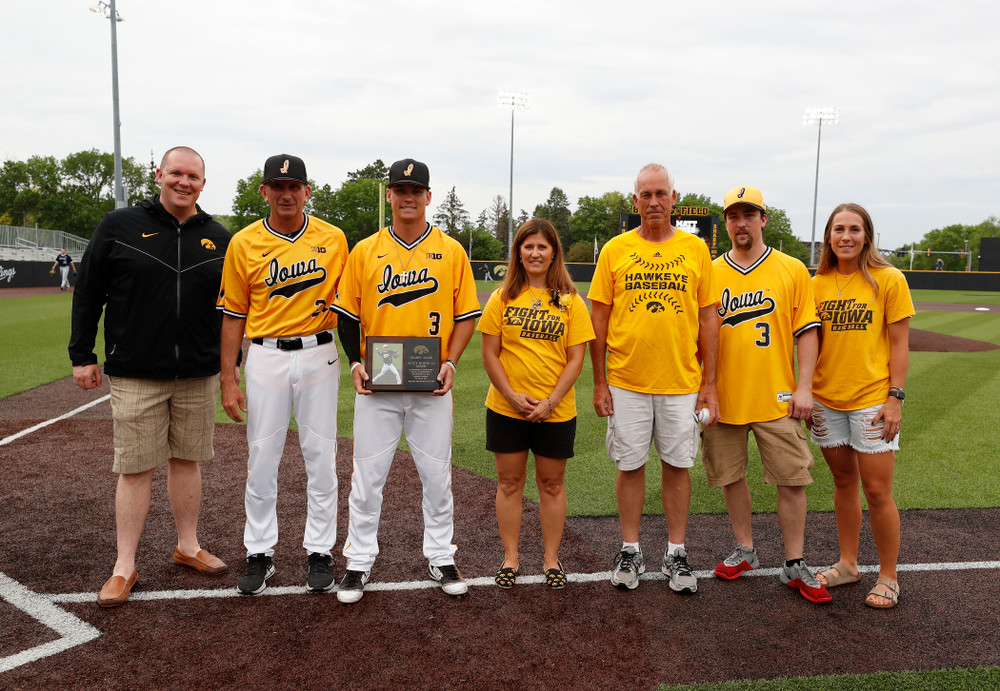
[283, 285]
[655, 290]
[533, 342]
[853, 367]
[408, 289]
[761, 310]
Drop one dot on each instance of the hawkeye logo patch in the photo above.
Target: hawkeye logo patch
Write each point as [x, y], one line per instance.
[408, 171]
[736, 309]
[421, 350]
[654, 307]
[207, 244]
[284, 168]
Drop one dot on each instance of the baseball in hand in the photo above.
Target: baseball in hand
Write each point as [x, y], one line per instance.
[702, 416]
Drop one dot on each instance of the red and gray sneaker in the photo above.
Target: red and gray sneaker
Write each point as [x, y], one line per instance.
[742, 559]
[799, 576]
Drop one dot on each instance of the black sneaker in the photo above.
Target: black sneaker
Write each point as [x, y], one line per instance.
[352, 586]
[319, 572]
[450, 579]
[259, 568]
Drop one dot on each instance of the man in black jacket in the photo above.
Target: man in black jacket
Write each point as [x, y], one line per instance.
[154, 269]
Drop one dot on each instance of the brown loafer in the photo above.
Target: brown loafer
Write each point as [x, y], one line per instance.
[116, 591]
[203, 562]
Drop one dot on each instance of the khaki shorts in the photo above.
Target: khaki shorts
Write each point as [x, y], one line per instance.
[665, 420]
[784, 452]
[159, 419]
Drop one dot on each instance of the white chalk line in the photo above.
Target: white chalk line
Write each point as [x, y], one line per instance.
[73, 631]
[41, 425]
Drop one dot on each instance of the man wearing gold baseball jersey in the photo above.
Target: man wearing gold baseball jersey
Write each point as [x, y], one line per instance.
[278, 283]
[766, 303]
[407, 280]
[652, 304]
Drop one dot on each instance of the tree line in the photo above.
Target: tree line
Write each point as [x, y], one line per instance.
[74, 193]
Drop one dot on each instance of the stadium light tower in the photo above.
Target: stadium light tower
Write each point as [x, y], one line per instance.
[515, 100]
[107, 10]
[818, 116]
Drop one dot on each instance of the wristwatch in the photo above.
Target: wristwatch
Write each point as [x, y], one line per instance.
[896, 392]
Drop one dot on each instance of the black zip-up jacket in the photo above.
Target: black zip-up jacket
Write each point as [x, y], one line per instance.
[160, 282]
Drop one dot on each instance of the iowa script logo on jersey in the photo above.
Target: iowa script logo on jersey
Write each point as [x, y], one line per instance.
[736, 309]
[415, 284]
[287, 281]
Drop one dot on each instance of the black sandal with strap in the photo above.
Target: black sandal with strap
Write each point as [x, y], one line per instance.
[506, 577]
[556, 578]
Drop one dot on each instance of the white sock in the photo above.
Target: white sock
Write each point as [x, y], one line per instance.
[632, 544]
[672, 547]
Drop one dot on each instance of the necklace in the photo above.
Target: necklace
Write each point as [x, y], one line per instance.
[396, 243]
[536, 301]
[839, 289]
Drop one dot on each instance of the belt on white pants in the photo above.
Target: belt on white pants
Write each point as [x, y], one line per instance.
[295, 343]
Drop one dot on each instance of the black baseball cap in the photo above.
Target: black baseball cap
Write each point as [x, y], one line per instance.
[285, 167]
[410, 172]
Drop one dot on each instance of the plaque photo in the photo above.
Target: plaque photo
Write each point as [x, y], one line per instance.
[402, 364]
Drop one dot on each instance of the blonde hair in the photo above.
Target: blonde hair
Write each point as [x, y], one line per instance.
[870, 257]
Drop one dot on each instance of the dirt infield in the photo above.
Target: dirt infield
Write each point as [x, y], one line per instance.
[182, 629]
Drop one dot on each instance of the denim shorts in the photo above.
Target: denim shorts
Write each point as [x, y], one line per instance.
[852, 428]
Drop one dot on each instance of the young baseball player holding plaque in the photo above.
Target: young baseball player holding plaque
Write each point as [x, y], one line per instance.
[406, 280]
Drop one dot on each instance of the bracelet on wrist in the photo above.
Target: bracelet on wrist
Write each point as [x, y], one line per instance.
[454, 367]
[353, 365]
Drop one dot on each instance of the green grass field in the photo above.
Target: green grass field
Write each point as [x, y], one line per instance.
[949, 441]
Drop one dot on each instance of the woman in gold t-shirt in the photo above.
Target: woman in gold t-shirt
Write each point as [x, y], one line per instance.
[865, 309]
[535, 330]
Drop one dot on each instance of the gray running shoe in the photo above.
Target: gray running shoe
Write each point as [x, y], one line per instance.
[352, 586]
[676, 567]
[450, 579]
[629, 565]
[800, 577]
[742, 559]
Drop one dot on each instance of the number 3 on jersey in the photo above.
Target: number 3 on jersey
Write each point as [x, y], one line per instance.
[765, 334]
[435, 318]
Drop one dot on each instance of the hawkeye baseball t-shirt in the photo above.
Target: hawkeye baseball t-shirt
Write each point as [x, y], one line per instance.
[534, 338]
[283, 285]
[416, 289]
[762, 310]
[655, 290]
[853, 367]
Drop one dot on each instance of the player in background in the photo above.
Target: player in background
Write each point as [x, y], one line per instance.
[406, 280]
[865, 306]
[64, 262]
[653, 310]
[280, 277]
[154, 270]
[388, 369]
[766, 304]
[535, 332]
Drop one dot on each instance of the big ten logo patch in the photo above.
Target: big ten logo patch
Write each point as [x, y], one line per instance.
[433, 255]
[537, 324]
[320, 250]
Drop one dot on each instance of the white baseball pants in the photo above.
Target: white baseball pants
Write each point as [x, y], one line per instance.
[379, 419]
[276, 382]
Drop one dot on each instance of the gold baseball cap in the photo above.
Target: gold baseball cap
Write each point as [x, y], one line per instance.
[744, 195]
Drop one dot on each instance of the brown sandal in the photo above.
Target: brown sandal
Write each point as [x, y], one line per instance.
[889, 591]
